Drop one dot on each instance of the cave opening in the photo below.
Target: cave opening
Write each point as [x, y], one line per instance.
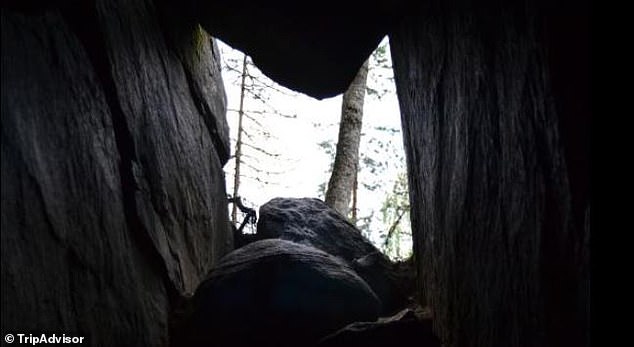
[288, 142]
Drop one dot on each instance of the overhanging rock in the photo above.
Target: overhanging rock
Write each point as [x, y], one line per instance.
[313, 48]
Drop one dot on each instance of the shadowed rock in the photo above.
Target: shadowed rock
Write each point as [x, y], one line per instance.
[494, 105]
[311, 222]
[113, 195]
[402, 329]
[315, 50]
[278, 293]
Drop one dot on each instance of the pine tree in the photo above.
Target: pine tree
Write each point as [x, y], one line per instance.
[395, 215]
[380, 170]
[252, 136]
[238, 148]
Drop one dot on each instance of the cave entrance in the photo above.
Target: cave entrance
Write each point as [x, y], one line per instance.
[284, 143]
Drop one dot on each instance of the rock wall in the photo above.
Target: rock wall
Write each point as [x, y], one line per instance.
[495, 132]
[113, 138]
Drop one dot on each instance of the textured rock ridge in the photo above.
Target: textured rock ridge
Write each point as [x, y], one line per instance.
[491, 128]
[113, 196]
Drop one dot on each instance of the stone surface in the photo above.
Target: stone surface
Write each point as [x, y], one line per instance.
[278, 293]
[395, 281]
[175, 145]
[401, 329]
[316, 50]
[493, 195]
[113, 199]
[310, 221]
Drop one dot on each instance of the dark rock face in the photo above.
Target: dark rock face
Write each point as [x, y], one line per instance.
[278, 293]
[402, 329]
[497, 208]
[316, 51]
[395, 281]
[113, 199]
[311, 222]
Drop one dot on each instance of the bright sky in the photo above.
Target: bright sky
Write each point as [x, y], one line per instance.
[303, 165]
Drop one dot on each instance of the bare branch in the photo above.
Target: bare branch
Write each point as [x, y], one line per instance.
[262, 150]
[258, 179]
[261, 171]
[392, 229]
[272, 111]
[248, 114]
[244, 155]
[271, 86]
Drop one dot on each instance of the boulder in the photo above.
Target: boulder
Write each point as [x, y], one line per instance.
[311, 222]
[277, 293]
[394, 282]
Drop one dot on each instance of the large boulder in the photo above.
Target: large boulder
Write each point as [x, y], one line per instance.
[311, 222]
[277, 293]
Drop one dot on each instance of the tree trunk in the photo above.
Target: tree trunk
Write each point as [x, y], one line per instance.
[355, 192]
[344, 170]
[236, 176]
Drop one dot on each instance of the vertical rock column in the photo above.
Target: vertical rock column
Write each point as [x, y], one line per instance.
[500, 245]
[113, 138]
